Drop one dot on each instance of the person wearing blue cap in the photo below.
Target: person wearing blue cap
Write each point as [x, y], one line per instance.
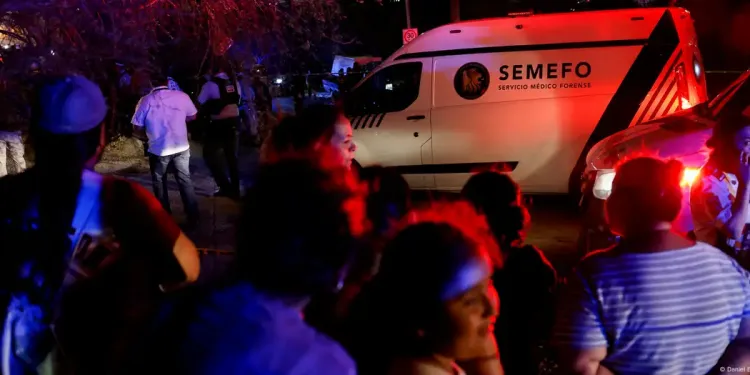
[88, 256]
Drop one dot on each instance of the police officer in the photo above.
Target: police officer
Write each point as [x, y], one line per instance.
[719, 201]
[219, 99]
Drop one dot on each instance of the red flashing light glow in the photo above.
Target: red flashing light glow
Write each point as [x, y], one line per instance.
[689, 175]
[685, 104]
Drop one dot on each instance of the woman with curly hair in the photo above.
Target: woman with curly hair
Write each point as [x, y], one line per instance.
[527, 280]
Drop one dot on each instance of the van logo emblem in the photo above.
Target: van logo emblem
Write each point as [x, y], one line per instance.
[471, 81]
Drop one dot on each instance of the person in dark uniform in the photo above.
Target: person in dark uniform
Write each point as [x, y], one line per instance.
[220, 98]
[719, 200]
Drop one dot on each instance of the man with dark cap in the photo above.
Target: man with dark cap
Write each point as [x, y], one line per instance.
[86, 257]
[220, 99]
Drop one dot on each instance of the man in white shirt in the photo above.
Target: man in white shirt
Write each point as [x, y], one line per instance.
[220, 98]
[163, 115]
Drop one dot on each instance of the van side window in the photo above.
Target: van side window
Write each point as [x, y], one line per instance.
[392, 89]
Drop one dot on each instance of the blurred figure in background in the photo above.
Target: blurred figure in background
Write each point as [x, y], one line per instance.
[123, 75]
[299, 88]
[247, 110]
[432, 303]
[86, 257]
[220, 99]
[263, 102]
[720, 201]
[171, 83]
[299, 229]
[526, 283]
[12, 124]
[388, 201]
[657, 302]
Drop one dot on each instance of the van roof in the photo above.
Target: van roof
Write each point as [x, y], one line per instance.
[543, 29]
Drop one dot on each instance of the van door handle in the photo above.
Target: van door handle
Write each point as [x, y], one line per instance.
[417, 117]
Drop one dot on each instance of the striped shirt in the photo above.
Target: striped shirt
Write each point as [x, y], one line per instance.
[671, 312]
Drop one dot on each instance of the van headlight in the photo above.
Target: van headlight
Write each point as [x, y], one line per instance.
[603, 183]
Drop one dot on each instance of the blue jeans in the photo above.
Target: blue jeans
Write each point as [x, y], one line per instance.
[181, 164]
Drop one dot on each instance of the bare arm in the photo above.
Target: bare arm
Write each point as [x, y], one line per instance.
[736, 224]
[140, 132]
[579, 334]
[155, 233]
[584, 362]
[187, 256]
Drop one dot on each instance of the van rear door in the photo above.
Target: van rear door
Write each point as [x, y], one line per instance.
[390, 115]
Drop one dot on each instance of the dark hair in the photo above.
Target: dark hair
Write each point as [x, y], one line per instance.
[305, 129]
[721, 143]
[159, 79]
[388, 198]
[651, 187]
[60, 160]
[405, 295]
[498, 197]
[299, 226]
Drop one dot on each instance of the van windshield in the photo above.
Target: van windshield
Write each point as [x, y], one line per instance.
[736, 97]
[391, 89]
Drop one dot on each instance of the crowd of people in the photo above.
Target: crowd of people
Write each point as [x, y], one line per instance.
[339, 272]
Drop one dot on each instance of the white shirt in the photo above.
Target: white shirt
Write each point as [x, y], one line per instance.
[711, 202]
[210, 91]
[163, 112]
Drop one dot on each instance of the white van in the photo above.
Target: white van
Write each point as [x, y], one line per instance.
[681, 136]
[531, 94]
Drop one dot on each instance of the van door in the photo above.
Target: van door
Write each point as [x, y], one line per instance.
[390, 115]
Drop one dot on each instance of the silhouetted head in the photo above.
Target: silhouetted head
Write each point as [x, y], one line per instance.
[730, 137]
[645, 194]
[299, 227]
[388, 198]
[220, 66]
[66, 118]
[159, 79]
[498, 197]
[314, 128]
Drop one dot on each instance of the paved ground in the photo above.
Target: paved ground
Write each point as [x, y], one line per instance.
[554, 228]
